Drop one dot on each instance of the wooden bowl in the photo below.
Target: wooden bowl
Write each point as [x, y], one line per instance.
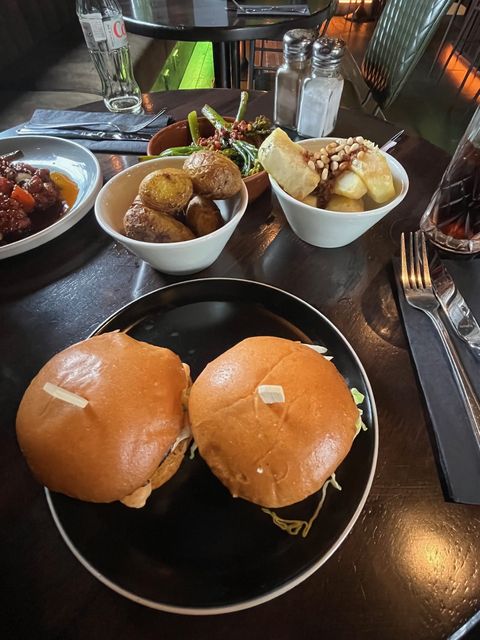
[178, 135]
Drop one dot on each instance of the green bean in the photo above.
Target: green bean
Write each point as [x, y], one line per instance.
[180, 151]
[193, 126]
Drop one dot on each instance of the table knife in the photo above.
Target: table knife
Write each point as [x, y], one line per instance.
[454, 306]
[285, 9]
[90, 135]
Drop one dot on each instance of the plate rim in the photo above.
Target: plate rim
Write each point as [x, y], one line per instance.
[73, 216]
[273, 593]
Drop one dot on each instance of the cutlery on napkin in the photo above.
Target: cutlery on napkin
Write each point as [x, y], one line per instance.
[96, 139]
[272, 9]
[453, 304]
[458, 455]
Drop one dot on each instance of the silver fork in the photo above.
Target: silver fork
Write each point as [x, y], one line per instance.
[108, 123]
[417, 286]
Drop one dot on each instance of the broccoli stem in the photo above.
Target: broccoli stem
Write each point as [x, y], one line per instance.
[193, 126]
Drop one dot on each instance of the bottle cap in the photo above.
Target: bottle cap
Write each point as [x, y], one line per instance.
[297, 43]
[328, 52]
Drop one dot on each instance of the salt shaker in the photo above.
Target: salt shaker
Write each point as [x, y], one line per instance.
[321, 92]
[297, 45]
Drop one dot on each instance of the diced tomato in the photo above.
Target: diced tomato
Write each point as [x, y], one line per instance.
[24, 198]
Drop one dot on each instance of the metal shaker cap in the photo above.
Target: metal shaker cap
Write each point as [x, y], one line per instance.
[328, 52]
[297, 43]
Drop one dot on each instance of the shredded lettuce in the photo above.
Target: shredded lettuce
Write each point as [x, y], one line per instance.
[193, 448]
[358, 397]
[294, 527]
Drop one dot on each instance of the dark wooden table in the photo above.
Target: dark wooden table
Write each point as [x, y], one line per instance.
[215, 21]
[410, 567]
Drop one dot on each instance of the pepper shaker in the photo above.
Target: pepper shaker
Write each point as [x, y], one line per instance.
[297, 44]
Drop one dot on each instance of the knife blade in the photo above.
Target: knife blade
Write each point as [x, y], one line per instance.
[90, 135]
[454, 306]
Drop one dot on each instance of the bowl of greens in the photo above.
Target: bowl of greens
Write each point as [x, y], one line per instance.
[235, 137]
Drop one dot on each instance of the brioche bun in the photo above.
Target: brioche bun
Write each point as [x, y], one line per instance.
[272, 454]
[109, 449]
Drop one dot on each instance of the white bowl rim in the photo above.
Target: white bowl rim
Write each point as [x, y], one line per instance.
[74, 214]
[345, 214]
[165, 245]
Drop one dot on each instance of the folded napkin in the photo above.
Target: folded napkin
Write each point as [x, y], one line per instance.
[53, 116]
[458, 453]
[278, 9]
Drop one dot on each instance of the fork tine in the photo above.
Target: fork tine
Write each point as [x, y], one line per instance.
[426, 266]
[413, 281]
[155, 117]
[418, 261]
[403, 260]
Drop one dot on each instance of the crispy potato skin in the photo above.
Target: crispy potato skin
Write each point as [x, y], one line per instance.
[167, 190]
[203, 216]
[213, 175]
[142, 223]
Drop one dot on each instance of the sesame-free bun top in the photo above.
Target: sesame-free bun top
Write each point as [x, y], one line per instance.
[110, 448]
[272, 454]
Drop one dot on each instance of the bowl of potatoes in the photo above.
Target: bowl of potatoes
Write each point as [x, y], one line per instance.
[176, 213]
[332, 190]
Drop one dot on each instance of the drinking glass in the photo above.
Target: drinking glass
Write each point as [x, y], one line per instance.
[452, 219]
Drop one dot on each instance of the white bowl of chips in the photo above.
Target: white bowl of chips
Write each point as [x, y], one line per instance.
[328, 228]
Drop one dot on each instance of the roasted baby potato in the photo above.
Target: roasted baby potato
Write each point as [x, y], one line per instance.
[167, 190]
[203, 216]
[341, 203]
[213, 175]
[149, 225]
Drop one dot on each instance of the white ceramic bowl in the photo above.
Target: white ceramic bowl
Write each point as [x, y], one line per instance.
[330, 229]
[176, 258]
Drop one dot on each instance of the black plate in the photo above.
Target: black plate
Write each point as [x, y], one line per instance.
[194, 549]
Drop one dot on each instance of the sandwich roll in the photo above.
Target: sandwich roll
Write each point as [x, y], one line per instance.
[272, 454]
[114, 445]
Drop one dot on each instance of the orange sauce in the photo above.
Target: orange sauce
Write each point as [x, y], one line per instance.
[67, 187]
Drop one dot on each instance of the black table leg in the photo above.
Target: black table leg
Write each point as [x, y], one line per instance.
[221, 64]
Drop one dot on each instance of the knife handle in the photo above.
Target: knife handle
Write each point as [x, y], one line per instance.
[467, 392]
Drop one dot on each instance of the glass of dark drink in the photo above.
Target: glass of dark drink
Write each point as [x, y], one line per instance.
[452, 219]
